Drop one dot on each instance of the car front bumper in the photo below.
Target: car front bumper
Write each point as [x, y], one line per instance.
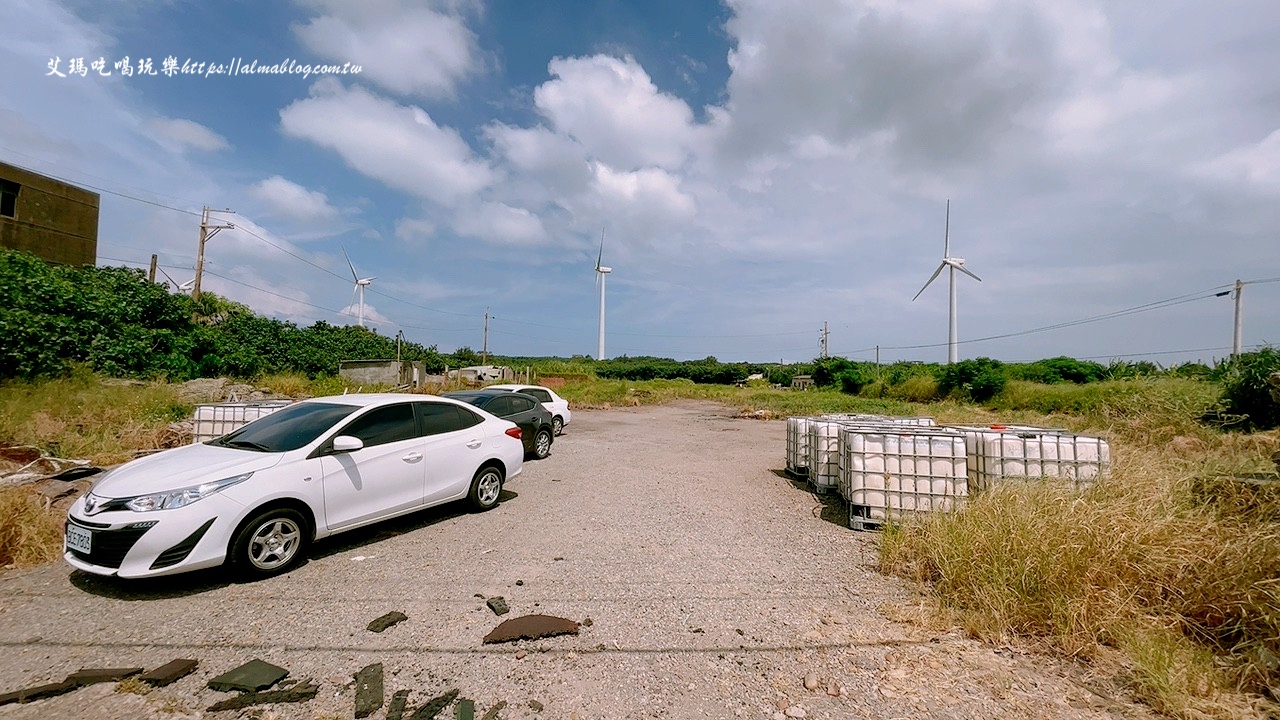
[131, 544]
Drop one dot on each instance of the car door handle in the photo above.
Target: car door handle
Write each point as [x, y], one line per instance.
[412, 457]
[474, 444]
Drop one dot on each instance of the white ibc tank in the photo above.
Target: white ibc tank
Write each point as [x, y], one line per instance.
[1002, 452]
[218, 419]
[897, 472]
[798, 444]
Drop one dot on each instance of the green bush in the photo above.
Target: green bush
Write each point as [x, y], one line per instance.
[979, 379]
[1248, 397]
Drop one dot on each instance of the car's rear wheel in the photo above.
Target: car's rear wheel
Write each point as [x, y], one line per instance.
[486, 486]
[542, 443]
[270, 544]
[557, 425]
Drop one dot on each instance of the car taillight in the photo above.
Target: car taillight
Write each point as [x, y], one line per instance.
[514, 432]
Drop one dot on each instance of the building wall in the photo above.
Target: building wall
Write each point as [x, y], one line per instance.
[52, 220]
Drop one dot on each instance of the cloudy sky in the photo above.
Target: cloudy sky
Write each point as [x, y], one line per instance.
[757, 167]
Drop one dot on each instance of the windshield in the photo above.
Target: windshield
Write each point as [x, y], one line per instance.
[286, 429]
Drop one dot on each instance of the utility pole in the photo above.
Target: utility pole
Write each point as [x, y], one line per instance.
[206, 231]
[823, 335]
[1239, 333]
[151, 275]
[484, 352]
[399, 340]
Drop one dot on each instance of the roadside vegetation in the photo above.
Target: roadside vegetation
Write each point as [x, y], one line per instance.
[1172, 565]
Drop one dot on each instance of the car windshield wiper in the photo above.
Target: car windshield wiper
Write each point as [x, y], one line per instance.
[237, 443]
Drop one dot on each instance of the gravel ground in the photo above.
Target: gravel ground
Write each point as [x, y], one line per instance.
[714, 587]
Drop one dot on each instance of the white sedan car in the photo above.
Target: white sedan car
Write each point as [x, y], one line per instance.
[556, 405]
[256, 497]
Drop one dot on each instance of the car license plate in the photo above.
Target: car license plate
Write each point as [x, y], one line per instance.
[79, 539]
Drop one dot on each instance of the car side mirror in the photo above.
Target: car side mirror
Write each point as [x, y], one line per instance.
[347, 443]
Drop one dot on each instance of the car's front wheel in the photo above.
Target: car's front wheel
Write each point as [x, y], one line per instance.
[557, 425]
[269, 544]
[486, 486]
[542, 443]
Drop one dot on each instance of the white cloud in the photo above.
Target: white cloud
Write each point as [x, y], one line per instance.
[650, 191]
[396, 144]
[406, 47]
[1253, 166]
[500, 224]
[414, 230]
[180, 134]
[614, 110]
[293, 201]
[372, 318]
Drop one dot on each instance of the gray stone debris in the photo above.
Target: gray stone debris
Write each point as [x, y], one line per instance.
[386, 621]
[433, 706]
[498, 605]
[250, 677]
[369, 692]
[302, 692]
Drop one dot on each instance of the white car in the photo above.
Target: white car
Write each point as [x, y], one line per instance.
[256, 497]
[556, 405]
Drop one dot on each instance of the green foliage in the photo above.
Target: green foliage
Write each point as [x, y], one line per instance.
[826, 370]
[979, 379]
[118, 324]
[1249, 400]
[1059, 369]
[705, 371]
[856, 377]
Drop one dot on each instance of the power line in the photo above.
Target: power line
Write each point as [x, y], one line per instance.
[109, 192]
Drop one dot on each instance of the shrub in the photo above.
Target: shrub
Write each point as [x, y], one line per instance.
[1248, 397]
[979, 380]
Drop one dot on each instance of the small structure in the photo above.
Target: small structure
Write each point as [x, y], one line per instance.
[399, 373]
[483, 374]
[801, 382]
[52, 220]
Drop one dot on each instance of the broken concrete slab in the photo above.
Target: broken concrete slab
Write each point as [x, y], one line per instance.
[492, 713]
[433, 706]
[250, 677]
[369, 692]
[395, 710]
[386, 621]
[535, 706]
[90, 676]
[531, 627]
[465, 709]
[498, 605]
[169, 672]
[37, 692]
[302, 692]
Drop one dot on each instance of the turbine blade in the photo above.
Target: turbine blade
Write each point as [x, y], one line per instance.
[355, 289]
[966, 272]
[600, 257]
[354, 276]
[932, 277]
[946, 233]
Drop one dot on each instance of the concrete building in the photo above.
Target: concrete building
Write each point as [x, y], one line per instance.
[383, 372]
[47, 218]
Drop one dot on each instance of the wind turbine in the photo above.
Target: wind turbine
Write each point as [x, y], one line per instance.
[601, 272]
[361, 284]
[952, 264]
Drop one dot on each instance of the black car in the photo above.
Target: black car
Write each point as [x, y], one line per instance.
[533, 419]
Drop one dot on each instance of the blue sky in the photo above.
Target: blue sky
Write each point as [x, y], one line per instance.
[757, 167]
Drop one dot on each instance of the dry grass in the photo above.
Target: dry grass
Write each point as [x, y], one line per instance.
[1177, 568]
[81, 417]
[134, 686]
[29, 534]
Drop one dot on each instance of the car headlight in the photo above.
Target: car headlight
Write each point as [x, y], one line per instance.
[181, 498]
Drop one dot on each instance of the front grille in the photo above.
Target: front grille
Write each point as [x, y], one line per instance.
[110, 546]
[179, 552]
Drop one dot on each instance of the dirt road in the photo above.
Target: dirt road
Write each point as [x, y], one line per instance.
[714, 587]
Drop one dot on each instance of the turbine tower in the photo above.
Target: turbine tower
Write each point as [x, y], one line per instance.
[952, 264]
[361, 284]
[601, 272]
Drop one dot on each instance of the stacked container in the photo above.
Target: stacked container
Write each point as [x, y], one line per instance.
[218, 419]
[1001, 452]
[824, 441]
[890, 473]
